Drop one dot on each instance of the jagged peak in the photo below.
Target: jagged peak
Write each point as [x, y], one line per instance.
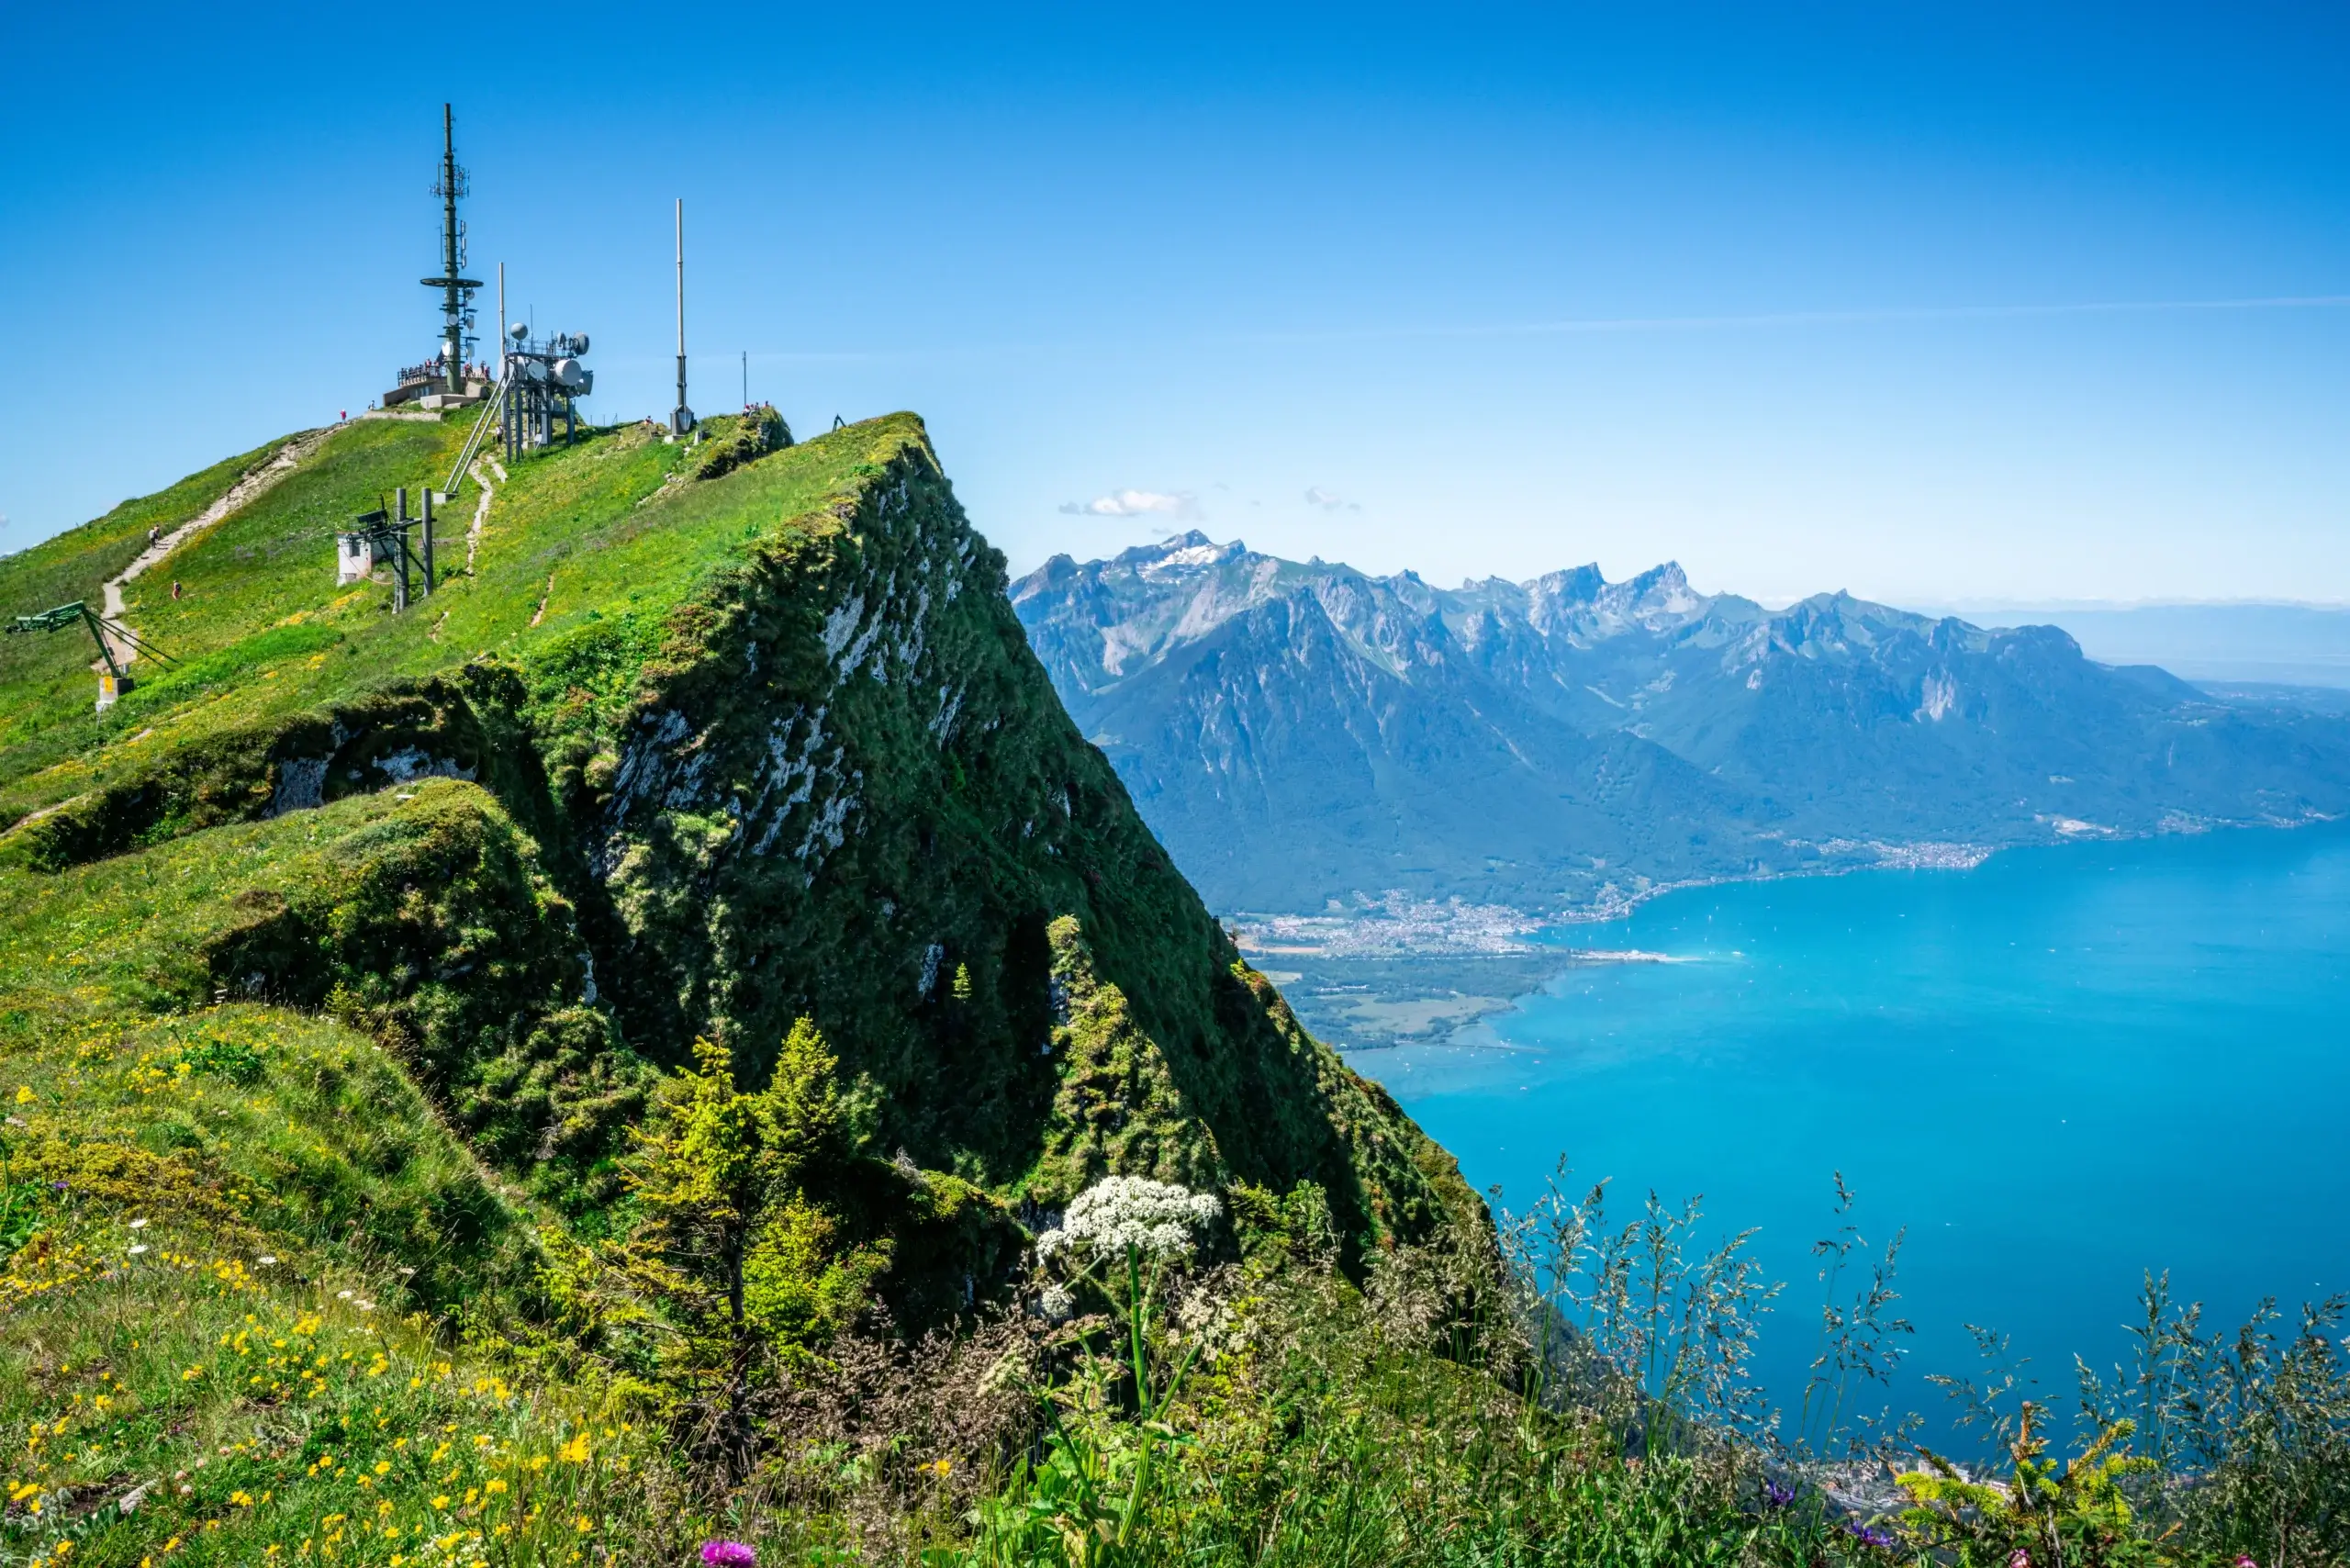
[1574, 585]
[1189, 549]
[1193, 551]
[1665, 580]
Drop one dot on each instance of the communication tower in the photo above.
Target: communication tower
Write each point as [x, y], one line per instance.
[443, 378]
[456, 290]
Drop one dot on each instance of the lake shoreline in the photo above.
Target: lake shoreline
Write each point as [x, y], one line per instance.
[1407, 972]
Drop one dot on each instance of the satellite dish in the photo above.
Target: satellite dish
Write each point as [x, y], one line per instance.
[568, 373]
[578, 342]
[519, 330]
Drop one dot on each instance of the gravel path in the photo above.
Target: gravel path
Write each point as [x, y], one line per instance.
[255, 480]
[481, 509]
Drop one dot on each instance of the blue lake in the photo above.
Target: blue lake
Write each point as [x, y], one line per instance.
[2058, 1071]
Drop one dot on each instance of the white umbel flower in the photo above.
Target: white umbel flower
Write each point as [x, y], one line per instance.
[1155, 1218]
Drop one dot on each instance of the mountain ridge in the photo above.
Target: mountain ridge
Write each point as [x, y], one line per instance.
[689, 752]
[1565, 743]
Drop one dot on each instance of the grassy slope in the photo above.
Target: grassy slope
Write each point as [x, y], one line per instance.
[148, 1084]
[298, 1213]
[612, 594]
[360, 1039]
[609, 594]
[232, 1130]
[47, 678]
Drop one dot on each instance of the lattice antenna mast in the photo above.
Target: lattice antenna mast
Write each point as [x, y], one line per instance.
[456, 290]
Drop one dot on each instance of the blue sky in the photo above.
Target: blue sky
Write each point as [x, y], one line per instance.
[1929, 303]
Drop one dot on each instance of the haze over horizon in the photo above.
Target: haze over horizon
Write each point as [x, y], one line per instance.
[1965, 305]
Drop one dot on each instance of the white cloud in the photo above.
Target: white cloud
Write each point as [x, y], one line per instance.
[1136, 503]
[1330, 500]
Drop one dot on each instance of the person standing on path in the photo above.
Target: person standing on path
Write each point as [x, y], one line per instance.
[175, 590]
[154, 537]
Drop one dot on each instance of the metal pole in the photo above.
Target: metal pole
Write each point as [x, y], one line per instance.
[502, 321]
[97, 629]
[682, 420]
[747, 378]
[429, 581]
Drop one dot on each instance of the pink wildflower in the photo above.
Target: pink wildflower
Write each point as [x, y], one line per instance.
[727, 1554]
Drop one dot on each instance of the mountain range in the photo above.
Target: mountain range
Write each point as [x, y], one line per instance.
[1304, 733]
[2301, 649]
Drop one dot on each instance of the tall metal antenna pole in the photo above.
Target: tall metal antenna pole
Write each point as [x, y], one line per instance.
[455, 289]
[682, 420]
[747, 378]
[502, 321]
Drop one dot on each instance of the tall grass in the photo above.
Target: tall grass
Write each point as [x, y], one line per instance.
[1607, 1417]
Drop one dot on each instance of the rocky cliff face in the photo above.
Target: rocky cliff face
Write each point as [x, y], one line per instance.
[848, 791]
[1303, 733]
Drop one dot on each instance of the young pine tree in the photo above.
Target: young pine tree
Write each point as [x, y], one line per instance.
[734, 1240]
